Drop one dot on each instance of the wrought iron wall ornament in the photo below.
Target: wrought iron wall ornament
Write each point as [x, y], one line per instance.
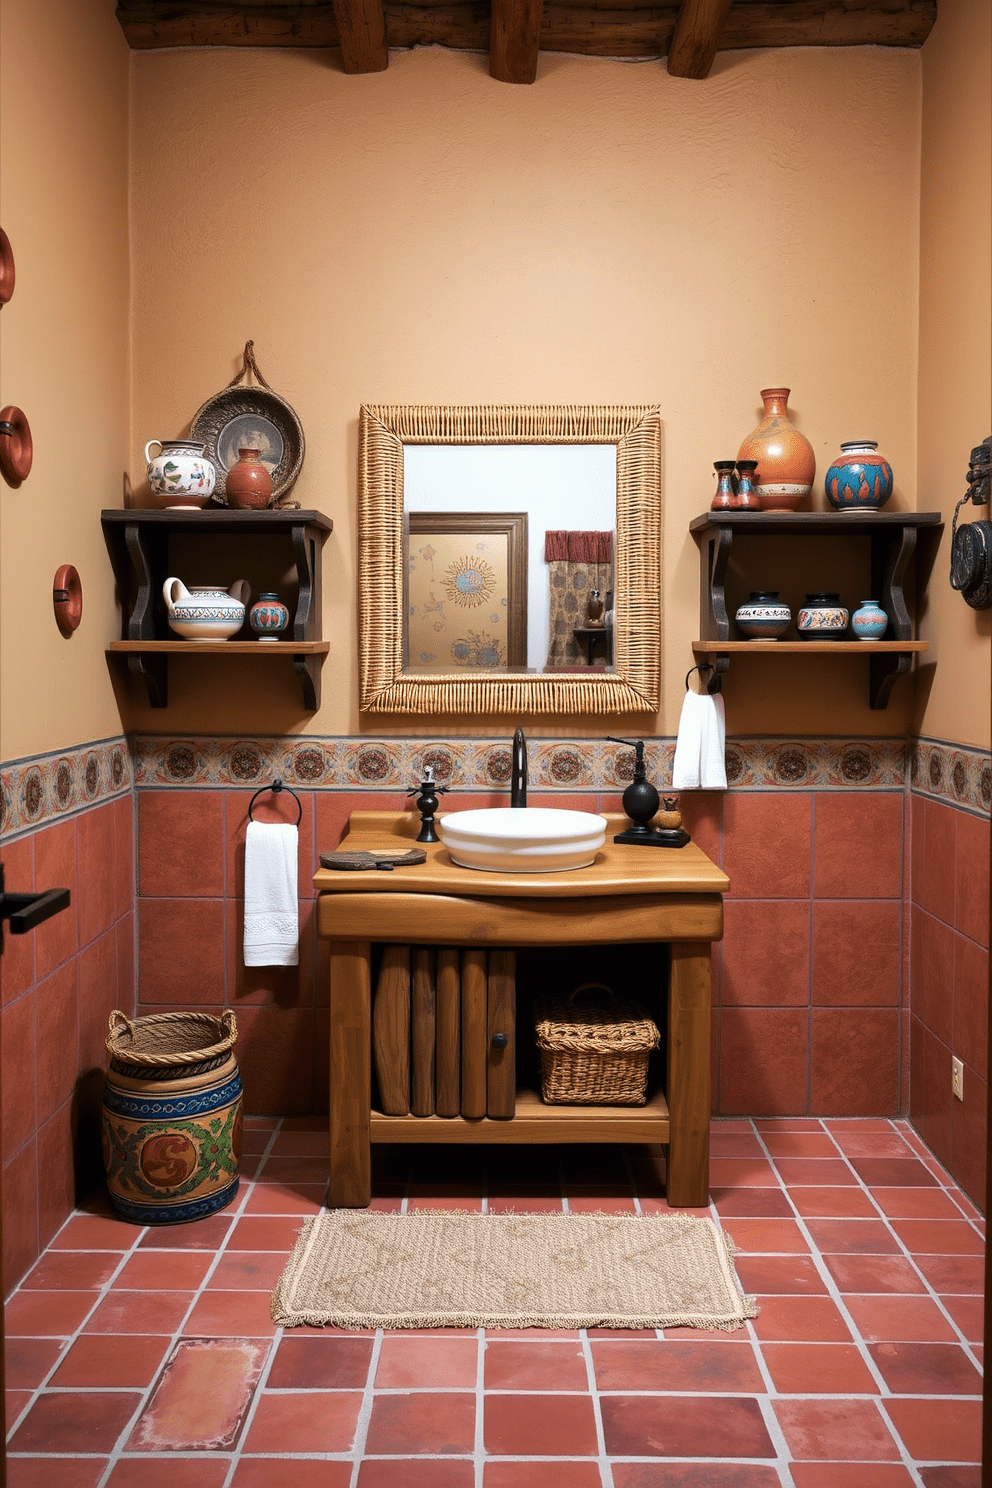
[971, 543]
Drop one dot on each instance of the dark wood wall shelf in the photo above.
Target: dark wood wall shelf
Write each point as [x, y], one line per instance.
[892, 539]
[139, 546]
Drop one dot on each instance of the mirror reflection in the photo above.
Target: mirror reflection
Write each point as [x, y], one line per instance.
[509, 557]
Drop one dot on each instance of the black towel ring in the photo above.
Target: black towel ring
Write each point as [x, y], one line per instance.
[276, 787]
[704, 666]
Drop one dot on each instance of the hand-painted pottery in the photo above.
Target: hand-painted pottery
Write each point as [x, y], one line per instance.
[180, 475]
[786, 462]
[172, 1117]
[205, 612]
[268, 616]
[822, 618]
[747, 499]
[248, 482]
[726, 497]
[870, 622]
[859, 478]
[763, 617]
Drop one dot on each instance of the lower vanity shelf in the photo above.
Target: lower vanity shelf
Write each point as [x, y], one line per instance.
[532, 1122]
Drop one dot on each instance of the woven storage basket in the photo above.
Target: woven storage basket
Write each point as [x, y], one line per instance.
[172, 1116]
[594, 1047]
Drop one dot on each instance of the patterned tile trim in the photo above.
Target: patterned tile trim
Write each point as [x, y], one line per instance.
[391, 764]
[43, 788]
[952, 773]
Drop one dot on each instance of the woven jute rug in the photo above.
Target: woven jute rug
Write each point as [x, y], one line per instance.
[426, 1269]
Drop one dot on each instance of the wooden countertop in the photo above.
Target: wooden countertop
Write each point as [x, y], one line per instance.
[619, 868]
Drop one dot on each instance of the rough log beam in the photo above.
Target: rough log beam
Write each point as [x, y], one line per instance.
[623, 30]
[514, 40]
[362, 33]
[696, 36]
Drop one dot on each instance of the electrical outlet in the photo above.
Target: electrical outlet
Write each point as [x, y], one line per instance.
[957, 1078]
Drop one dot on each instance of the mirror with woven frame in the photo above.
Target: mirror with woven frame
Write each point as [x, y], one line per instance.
[621, 676]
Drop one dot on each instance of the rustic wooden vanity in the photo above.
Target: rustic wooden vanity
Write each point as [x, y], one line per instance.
[630, 895]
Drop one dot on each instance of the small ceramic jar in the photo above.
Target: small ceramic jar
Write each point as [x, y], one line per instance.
[859, 479]
[870, 622]
[747, 498]
[726, 496]
[268, 617]
[763, 617]
[206, 612]
[822, 618]
[179, 475]
[248, 484]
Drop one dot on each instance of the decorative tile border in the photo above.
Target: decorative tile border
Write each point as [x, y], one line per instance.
[952, 773]
[390, 764]
[41, 789]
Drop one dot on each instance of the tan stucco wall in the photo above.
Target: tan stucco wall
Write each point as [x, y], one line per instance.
[955, 345]
[610, 234]
[63, 358]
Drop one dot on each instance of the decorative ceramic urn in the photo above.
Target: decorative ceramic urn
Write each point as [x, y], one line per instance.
[786, 462]
[763, 617]
[205, 612]
[268, 617]
[859, 478]
[180, 475]
[248, 484]
[822, 618]
[870, 622]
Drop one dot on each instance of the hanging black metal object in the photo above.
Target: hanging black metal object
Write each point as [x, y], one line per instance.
[971, 543]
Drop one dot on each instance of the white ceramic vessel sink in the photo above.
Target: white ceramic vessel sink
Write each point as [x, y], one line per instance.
[528, 839]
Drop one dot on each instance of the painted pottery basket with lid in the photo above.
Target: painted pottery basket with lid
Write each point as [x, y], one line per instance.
[172, 1116]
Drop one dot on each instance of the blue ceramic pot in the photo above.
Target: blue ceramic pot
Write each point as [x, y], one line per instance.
[870, 622]
[859, 479]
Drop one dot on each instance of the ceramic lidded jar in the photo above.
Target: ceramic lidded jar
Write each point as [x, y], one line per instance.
[763, 617]
[822, 618]
[786, 462]
[206, 612]
[859, 479]
[180, 475]
[870, 622]
[268, 617]
[248, 482]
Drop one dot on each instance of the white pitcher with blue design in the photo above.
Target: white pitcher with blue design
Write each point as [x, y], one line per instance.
[206, 612]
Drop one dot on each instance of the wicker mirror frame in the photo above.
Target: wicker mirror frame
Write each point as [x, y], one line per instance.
[634, 684]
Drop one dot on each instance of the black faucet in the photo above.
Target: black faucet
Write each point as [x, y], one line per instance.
[518, 779]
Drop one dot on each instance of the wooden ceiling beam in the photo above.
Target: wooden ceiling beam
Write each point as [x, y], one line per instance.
[362, 35]
[696, 37]
[514, 40]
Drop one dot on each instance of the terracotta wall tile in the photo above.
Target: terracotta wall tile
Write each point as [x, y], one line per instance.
[702, 818]
[124, 858]
[857, 953]
[55, 868]
[971, 1004]
[933, 974]
[763, 1062]
[766, 849]
[930, 1090]
[275, 1052]
[969, 1146]
[96, 870]
[181, 843]
[18, 950]
[20, 1214]
[56, 1171]
[765, 960]
[127, 983]
[854, 1062]
[57, 1021]
[268, 808]
[858, 849]
[971, 877]
[98, 997]
[334, 807]
[935, 869]
[181, 950]
[282, 986]
[20, 1073]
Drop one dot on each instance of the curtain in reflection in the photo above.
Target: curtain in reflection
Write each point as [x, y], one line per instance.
[578, 562]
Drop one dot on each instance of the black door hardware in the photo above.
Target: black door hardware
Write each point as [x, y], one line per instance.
[25, 911]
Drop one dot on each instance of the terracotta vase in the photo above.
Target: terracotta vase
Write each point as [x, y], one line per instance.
[786, 462]
[248, 483]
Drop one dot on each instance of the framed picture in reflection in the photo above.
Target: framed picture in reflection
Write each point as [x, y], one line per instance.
[466, 591]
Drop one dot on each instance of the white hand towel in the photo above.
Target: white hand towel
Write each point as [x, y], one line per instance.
[700, 749]
[713, 752]
[272, 916]
[685, 766]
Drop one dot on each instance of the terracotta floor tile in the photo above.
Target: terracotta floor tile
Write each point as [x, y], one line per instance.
[292, 1170]
[916, 1203]
[266, 1472]
[71, 1270]
[15, 1402]
[176, 1472]
[849, 1475]
[314, 1361]
[292, 1143]
[814, 1171]
[305, 1421]
[952, 1475]
[89, 1422]
[165, 1271]
[245, 1271]
[967, 1311]
[825, 1203]
[534, 1365]
[420, 1363]
[870, 1273]
[779, 1274]
[46, 1314]
[741, 1172]
[95, 1232]
[231, 1315]
[926, 1368]
[677, 1364]
[578, 1204]
[694, 1475]
[108, 1360]
[799, 1144]
[28, 1360]
[766, 1236]
[78, 1472]
[405, 1425]
[788, 1124]
[899, 1319]
[702, 1426]
[201, 1399]
[204, 1234]
[540, 1425]
[413, 1473]
[809, 1319]
[852, 1237]
[818, 1369]
[734, 1144]
[758, 1203]
[866, 1138]
[524, 1204]
[538, 1475]
[939, 1430]
[938, 1237]
[893, 1172]
[263, 1232]
[953, 1273]
[139, 1312]
[836, 1430]
[285, 1198]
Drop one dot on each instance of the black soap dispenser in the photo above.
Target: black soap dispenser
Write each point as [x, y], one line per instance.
[641, 802]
